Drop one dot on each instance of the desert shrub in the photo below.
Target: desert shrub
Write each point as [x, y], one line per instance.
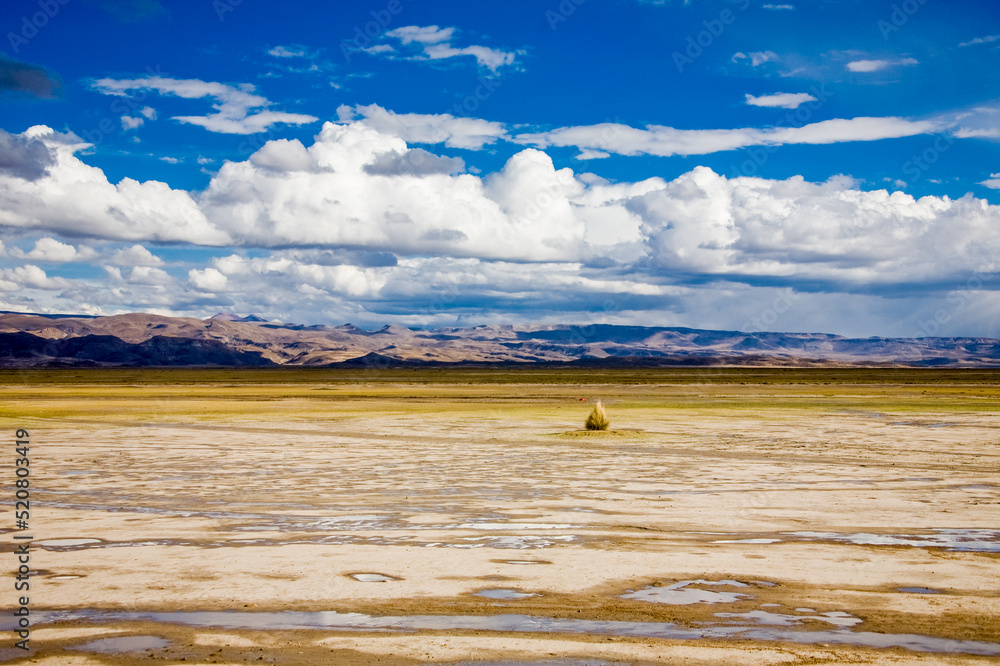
[597, 420]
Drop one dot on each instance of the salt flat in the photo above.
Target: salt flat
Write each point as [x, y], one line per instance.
[738, 516]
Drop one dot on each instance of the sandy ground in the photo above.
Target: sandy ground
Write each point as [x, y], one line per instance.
[816, 518]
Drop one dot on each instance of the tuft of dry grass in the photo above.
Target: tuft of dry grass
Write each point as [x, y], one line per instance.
[597, 420]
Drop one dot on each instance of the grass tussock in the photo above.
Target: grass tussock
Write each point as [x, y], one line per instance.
[597, 420]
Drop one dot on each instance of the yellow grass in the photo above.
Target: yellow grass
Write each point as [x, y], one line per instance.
[597, 420]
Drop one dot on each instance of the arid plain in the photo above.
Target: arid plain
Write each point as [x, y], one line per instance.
[311, 516]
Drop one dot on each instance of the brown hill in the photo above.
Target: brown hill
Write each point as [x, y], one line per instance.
[291, 344]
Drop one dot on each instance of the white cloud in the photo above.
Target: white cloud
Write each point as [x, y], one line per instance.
[435, 44]
[32, 277]
[840, 130]
[171, 160]
[878, 65]
[705, 223]
[779, 7]
[781, 100]
[668, 141]
[757, 58]
[49, 250]
[980, 133]
[348, 234]
[149, 275]
[591, 154]
[239, 110]
[989, 39]
[210, 279]
[453, 132]
[149, 112]
[992, 182]
[136, 255]
[283, 155]
[76, 199]
[327, 194]
[288, 52]
[129, 123]
[427, 35]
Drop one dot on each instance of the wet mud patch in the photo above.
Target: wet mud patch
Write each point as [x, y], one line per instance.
[124, 645]
[776, 631]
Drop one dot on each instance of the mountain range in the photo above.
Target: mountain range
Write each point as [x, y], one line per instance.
[37, 340]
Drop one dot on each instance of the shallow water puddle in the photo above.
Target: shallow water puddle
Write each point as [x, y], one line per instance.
[524, 562]
[372, 578]
[516, 526]
[837, 618]
[963, 540]
[332, 621]
[123, 644]
[682, 594]
[919, 590]
[503, 593]
[959, 540]
[547, 662]
[517, 542]
[65, 543]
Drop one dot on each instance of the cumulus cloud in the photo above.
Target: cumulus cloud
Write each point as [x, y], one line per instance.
[76, 200]
[356, 187]
[453, 132]
[435, 44]
[136, 255]
[130, 123]
[33, 277]
[416, 162]
[148, 275]
[49, 250]
[704, 223]
[359, 224]
[239, 110]
[878, 65]
[781, 100]
[779, 7]
[209, 279]
[363, 190]
[24, 157]
[283, 155]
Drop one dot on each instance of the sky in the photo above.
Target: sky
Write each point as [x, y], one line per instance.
[804, 166]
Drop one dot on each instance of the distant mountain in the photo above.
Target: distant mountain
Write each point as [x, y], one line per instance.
[230, 340]
[25, 349]
[229, 316]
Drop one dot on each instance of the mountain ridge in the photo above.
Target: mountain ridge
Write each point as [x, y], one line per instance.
[227, 339]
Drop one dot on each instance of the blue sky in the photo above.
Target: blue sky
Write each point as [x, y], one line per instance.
[821, 165]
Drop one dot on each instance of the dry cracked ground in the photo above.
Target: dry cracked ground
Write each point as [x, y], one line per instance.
[414, 517]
